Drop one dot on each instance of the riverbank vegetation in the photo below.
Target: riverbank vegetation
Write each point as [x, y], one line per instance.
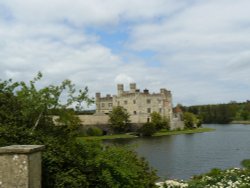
[162, 132]
[26, 119]
[221, 113]
[216, 178]
[159, 126]
[156, 124]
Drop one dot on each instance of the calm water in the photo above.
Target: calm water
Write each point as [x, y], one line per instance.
[182, 156]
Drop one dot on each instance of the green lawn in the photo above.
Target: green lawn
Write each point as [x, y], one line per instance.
[191, 131]
[241, 122]
[108, 137]
[160, 133]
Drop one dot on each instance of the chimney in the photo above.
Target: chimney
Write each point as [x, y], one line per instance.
[146, 91]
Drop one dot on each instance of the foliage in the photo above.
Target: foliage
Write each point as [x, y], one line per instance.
[172, 184]
[94, 131]
[147, 129]
[26, 118]
[129, 172]
[246, 163]
[191, 121]
[158, 121]
[31, 106]
[216, 178]
[221, 113]
[119, 119]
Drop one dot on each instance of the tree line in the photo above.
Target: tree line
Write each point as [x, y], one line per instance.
[220, 113]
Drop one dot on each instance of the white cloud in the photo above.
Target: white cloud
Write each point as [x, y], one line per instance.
[90, 11]
[123, 78]
[201, 47]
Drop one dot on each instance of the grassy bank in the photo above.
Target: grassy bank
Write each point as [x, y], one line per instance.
[241, 122]
[190, 131]
[108, 137]
[160, 133]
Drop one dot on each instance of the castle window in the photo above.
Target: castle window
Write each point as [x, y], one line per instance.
[148, 119]
[134, 112]
[160, 110]
[148, 101]
[149, 110]
[134, 101]
[103, 105]
[110, 104]
[125, 102]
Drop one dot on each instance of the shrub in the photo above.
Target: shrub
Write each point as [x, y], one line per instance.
[246, 163]
[148, 129]
[94, 131]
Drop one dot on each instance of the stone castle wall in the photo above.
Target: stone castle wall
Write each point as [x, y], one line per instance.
[94, 119]
[138, 104]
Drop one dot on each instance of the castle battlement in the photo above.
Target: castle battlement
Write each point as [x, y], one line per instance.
[139, 104]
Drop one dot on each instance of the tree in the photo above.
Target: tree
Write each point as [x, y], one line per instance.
[26, 118]
[158, 121]
[191, 121]
[119, 119]
[147, 129]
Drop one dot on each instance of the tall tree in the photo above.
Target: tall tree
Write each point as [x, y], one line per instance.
[119, 119]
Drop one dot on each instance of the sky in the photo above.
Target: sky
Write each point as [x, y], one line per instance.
[198, 49]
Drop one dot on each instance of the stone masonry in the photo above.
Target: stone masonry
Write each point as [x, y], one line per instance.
[139, 104]
[20, 166]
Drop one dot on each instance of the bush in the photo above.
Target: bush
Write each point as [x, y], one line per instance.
[148, 129]
[246, 163]
[94, 131]
[216, 178]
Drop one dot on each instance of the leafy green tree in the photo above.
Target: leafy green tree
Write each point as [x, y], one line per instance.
[147, 129]
[165, 123]
[119, 119]
[190, 120]
[158, 121]
[129, 172]
[26, 118]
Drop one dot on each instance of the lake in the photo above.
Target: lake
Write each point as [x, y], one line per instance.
[182, 156]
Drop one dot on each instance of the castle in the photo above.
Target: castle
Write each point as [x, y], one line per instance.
[139, 104]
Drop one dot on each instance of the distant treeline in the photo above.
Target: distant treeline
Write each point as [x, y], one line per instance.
[85, 112]
[221, 113]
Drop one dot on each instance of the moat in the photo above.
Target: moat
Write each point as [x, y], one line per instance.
[182, 156]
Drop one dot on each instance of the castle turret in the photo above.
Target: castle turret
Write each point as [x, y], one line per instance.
[132, 87]
[97, 101]
[163, 91]
[120, 89]
[98, 96]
